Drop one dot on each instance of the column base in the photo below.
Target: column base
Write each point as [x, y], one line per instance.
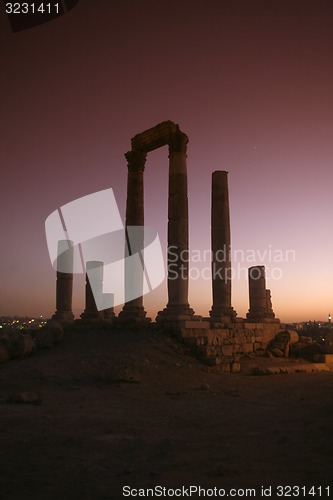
[176, 314]
[219, 314]
[133, 314]
[259, 317]
[63, 316]
[92, 316]
[109, 318]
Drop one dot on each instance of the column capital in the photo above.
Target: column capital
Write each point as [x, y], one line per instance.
[178, 142]
[136, 160]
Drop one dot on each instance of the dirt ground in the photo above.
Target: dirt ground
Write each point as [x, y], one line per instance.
[136, 409]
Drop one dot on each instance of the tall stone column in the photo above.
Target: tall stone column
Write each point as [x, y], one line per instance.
[221, 250]
[94, 291]
[64, 283]
[178, 265]
[133, 309]
[257, 293]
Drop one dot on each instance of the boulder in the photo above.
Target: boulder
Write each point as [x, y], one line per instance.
[19, 345]
[56, 330]
[43, 337]
[279, 345]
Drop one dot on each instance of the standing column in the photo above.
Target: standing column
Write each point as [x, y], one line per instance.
[94, 291]
[64, 284]
[269, 307]
[257, 294]
[221, 250]
[133, 309]
[178, 265]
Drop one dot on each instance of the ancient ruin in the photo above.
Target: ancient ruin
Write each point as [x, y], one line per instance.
[166, 133]
[222, 310]
[64, 283]
[221, 337]
[94, 291]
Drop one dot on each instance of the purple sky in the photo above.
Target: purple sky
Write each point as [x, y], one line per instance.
[250, 83]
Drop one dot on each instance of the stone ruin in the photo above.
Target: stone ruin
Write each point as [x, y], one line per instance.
[218, 339]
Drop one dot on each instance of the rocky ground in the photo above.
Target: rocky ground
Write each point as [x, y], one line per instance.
[105, 410]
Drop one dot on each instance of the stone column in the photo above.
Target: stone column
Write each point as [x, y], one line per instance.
[133, 309]
[108, 307]
[269, 307]
[64, 283]
[94, 291]
[178, 265]
[221, 258]
[257, 294]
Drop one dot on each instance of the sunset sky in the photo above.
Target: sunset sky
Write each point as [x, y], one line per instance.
[250, 82]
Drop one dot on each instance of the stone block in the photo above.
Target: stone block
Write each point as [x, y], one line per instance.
[235, 367]
[227, 350]
[250, 326]
[195, 324]
[240, 338]
[223, 366]
[247, 347]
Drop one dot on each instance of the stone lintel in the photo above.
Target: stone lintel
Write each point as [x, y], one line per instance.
[155, 137]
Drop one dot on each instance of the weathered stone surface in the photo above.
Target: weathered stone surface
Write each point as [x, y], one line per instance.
[294, 337]
[279, 345]
[247, 347]
[227, 350]
[235, 367]
[220, 243]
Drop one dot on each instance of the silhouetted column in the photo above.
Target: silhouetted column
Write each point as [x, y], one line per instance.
[269, 307]
[221, 247]
[108, 307]
[133, 309]
[178, 265]
[64, 283]
[257, 293]
[94, 290]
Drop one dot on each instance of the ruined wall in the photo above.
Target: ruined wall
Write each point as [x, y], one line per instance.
[225, 346]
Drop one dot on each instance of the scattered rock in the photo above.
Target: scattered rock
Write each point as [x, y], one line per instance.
[125, 372]
[19, 345]
[24, 397]
[279, 345]
[204, 387]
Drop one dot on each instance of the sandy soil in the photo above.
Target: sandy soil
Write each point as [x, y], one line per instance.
[174, 423]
